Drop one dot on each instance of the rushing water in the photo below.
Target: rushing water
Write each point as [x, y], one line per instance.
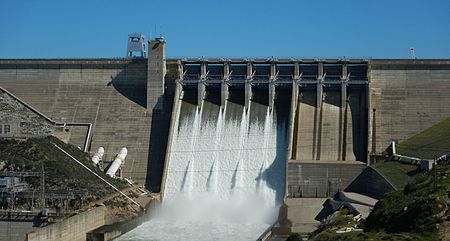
[225, 178]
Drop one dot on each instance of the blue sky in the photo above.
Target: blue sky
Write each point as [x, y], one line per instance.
[231, 28]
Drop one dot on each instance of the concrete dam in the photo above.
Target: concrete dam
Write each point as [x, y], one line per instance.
[231, 138]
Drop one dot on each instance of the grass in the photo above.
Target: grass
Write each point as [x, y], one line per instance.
[416, 209]
[430, 143]
[399, 174]
[375, 236]
[327, 232]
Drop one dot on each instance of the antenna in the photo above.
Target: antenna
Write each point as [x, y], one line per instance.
[413, 52]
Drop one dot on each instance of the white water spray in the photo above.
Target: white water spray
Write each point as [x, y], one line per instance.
[225, 177]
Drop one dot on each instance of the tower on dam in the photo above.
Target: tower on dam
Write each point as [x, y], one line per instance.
[156, 72]
[136, 44]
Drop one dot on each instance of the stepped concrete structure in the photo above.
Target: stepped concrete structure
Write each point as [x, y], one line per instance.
[342, 110]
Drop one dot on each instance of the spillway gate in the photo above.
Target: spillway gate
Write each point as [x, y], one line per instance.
[271, 75]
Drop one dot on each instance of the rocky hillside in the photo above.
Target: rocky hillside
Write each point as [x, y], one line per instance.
[61, 172]
[25, 122]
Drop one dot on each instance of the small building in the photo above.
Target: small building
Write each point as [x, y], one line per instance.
[12, 184]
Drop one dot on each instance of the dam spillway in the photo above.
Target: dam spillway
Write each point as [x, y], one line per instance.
[225, 177]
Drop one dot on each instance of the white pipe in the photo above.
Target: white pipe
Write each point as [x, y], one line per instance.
[114, 167]
[101, 151]
[117, 162]
[98, 155]
[115, 188]
[95, 159]
[123, 153]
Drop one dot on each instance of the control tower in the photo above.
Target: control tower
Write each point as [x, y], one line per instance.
[136, 43]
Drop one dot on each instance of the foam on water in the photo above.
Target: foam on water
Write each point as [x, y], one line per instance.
[225, 178]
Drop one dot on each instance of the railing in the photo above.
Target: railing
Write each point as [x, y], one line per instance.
[13, 215]
[19, 174]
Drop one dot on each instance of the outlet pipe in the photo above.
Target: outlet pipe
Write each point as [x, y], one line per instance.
[98, 155]
[120, 158]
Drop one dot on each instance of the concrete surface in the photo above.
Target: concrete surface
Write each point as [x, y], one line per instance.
[320, 178]
[408, 96]
[71, 229]
[330, 129]
[302, 211]
[15, 231]
[358, 198]
[306, 127]
[331, 132]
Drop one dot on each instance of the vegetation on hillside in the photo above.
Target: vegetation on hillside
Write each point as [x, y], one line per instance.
[417, 212]
[418, 208]
[430, 143]
[399, 174]
[61, 172]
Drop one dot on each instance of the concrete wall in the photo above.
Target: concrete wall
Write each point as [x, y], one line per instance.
[111, 94]
[71, 229]
[331, 132]
[320, 179]
[15, 230]
[408, 96]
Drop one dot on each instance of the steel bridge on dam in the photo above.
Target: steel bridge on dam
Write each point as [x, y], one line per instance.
[271, 75]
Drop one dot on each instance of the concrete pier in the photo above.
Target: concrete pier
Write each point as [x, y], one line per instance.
[272, 80]
[248, 85]
[224, 84]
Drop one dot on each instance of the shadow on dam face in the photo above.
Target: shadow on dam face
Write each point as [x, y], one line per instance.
[159, 134]
[131, 82]
[357, 102]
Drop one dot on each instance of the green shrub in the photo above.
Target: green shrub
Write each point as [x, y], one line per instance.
[294, 237]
